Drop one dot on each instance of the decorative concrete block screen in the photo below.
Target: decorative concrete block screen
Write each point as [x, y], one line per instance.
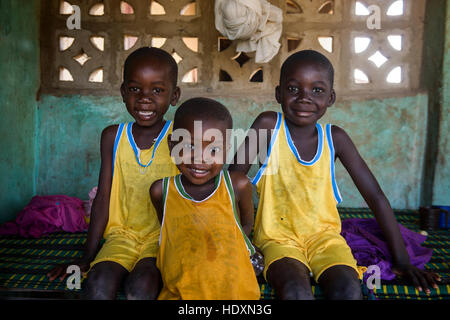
[375, 46]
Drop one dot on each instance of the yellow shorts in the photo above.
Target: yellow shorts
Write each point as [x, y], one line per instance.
[126, 250]
[317, 252]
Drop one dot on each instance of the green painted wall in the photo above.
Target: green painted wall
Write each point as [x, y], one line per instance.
[389, 134]
[69, 134]
[441, 190]
[19, 69]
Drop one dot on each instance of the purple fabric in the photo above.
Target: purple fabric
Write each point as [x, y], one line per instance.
[369, 247]
[47, 214]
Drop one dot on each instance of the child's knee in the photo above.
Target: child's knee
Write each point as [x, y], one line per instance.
[98, 287]
[142, 288]
[143, 284]
[103, 281]
[346, 291]
[341, 283]
[293, 290]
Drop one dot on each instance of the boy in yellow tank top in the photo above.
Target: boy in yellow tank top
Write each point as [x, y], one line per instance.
[133, 156]
[206, 213]
[297, 225]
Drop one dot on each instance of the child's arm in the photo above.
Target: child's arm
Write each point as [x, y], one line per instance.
[156, 194]
[379, 204]
[100, 207]
[243, 196]
[244, 201]
[248, 151]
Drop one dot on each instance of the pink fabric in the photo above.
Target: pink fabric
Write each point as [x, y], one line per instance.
[47, 214]
[88, 203]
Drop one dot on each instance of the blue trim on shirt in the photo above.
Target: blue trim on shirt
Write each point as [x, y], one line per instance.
[295, 151]
[158, 141]
[261, 170]
[116, 143]
[333, 179]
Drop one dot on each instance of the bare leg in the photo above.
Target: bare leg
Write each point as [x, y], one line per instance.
[144, 281]
[340, 283]
[290, 279]
[104, 281]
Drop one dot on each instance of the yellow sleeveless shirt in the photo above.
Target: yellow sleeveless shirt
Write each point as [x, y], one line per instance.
[297, 198]
[204, 253]
[130, 209]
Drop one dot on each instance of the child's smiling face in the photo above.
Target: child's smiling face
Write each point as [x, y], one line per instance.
[200, 158]
[148, 90]
[305, 93]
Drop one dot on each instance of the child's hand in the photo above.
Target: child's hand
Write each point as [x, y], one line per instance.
[60, 270]
[421, 279]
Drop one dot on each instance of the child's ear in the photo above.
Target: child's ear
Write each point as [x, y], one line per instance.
[277, 94]
[122, 91]
[175, 96]
[332, 98]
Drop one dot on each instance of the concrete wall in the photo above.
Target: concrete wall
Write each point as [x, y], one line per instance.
[389, 133]
[441, 190]
[19, 70]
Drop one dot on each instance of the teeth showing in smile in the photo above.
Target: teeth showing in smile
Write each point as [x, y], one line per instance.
[304, 113]
[146, 113]
[199, 171]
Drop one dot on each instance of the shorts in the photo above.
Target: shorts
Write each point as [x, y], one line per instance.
[317, 252]
[126, 249]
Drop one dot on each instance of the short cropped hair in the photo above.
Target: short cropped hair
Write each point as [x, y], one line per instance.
[202, 109]
[153, 52]
[310, 56]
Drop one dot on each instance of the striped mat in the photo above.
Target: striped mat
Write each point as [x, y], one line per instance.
[25, 262]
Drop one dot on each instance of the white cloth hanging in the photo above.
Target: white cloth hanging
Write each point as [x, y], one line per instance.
[255, 24]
